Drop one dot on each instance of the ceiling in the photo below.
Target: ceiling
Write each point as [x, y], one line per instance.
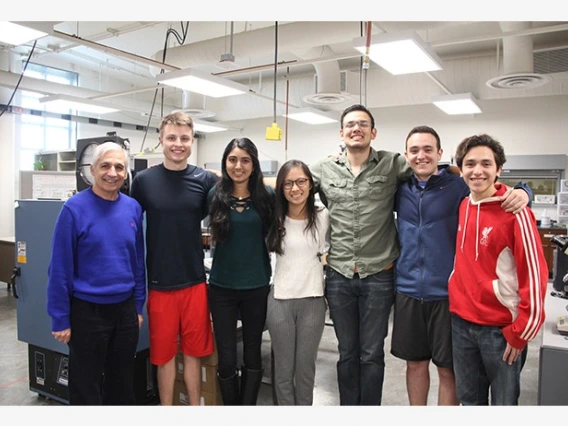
[120, 59]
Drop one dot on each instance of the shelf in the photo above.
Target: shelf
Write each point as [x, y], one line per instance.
[57, 161]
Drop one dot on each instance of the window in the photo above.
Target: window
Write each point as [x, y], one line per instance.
[39, 134]
[541, 182]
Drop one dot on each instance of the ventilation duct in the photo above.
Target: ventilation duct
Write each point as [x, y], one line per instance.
[193, 104]
[327, 78]
[518, 61]
[551, 61]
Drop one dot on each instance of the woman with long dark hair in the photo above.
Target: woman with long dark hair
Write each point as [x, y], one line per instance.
[296, 304]
[241, 210]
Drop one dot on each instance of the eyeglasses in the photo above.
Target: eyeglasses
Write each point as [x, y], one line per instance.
[301, 183]
[363, 124]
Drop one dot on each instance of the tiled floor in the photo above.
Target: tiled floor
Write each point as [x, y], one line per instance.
[14, 386]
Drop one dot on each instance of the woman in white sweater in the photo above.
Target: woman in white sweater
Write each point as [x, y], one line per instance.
[296, 304]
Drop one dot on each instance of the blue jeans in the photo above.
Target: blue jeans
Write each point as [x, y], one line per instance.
[479, 366]
[360, 309]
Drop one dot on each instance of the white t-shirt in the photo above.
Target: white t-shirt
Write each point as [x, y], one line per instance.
[299, 271]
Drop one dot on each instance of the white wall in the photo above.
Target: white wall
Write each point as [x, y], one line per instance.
[523, 126]
[7, 175]
[534, 126]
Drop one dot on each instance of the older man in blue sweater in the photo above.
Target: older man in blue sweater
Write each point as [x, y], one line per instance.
[97, 289]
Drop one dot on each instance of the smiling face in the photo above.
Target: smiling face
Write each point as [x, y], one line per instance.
[423, 155]
[296, 187]
[357, 131]
[239, 165]
[480, 171]
[176, 143]
[109, 173]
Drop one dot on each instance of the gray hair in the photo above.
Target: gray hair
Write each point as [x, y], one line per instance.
[105, 147]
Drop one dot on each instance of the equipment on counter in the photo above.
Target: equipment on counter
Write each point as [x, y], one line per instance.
[562, 325]
[48, 358]
[560, 276]
[84, 159]
[560, 282]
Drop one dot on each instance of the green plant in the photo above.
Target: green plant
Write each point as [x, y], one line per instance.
[39, 164]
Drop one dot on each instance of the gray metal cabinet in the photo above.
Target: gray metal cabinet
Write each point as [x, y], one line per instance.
[553, 362]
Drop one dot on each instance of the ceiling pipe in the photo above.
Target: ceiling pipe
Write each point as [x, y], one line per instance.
[114, 52]
[194, 104]
[102, 36]
[328, 84]
[517, 50]
[490, 37]
[293, 36]
[45, 87]
[518, 61]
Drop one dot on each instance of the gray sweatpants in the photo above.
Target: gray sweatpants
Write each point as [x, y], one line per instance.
[295, 327]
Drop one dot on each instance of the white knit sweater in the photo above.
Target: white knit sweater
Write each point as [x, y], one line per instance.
[299, 271]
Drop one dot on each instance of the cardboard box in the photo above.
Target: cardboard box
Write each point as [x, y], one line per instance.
[209, 382]
[212, 359]
[180, 394]
[207, 398]
[211, 399]
[179, 366]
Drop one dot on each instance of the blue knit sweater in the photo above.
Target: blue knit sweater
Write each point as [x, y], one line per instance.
[97, 255]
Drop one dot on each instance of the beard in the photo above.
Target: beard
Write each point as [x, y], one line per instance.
[358, 147]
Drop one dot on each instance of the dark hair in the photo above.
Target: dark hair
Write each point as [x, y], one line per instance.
[480, 140]
[357, 107]
[277, 229]
[220, 210]
[424, 129]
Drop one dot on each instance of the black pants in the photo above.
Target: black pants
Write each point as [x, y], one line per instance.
[227, 306]
[101, 353]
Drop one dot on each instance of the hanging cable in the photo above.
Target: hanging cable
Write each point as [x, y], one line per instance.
[275, 63]
[274, 133]
[366, 59]
[19, 80]
[231, 44]
[361, 68]
[286, 126]
[180, 40]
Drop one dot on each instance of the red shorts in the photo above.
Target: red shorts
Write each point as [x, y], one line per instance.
[179, 317]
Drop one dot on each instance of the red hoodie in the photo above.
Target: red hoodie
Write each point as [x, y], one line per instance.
[500, 274]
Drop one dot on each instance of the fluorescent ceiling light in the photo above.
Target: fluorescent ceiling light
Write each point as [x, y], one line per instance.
[15, 34]
[79, 104]
[200, 82]
[204, 127]
[463, 103]
[311, 116]
[400, 53]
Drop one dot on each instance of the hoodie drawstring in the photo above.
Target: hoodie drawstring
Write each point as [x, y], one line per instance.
[477, 233]
[465, 225]
[476, 228]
